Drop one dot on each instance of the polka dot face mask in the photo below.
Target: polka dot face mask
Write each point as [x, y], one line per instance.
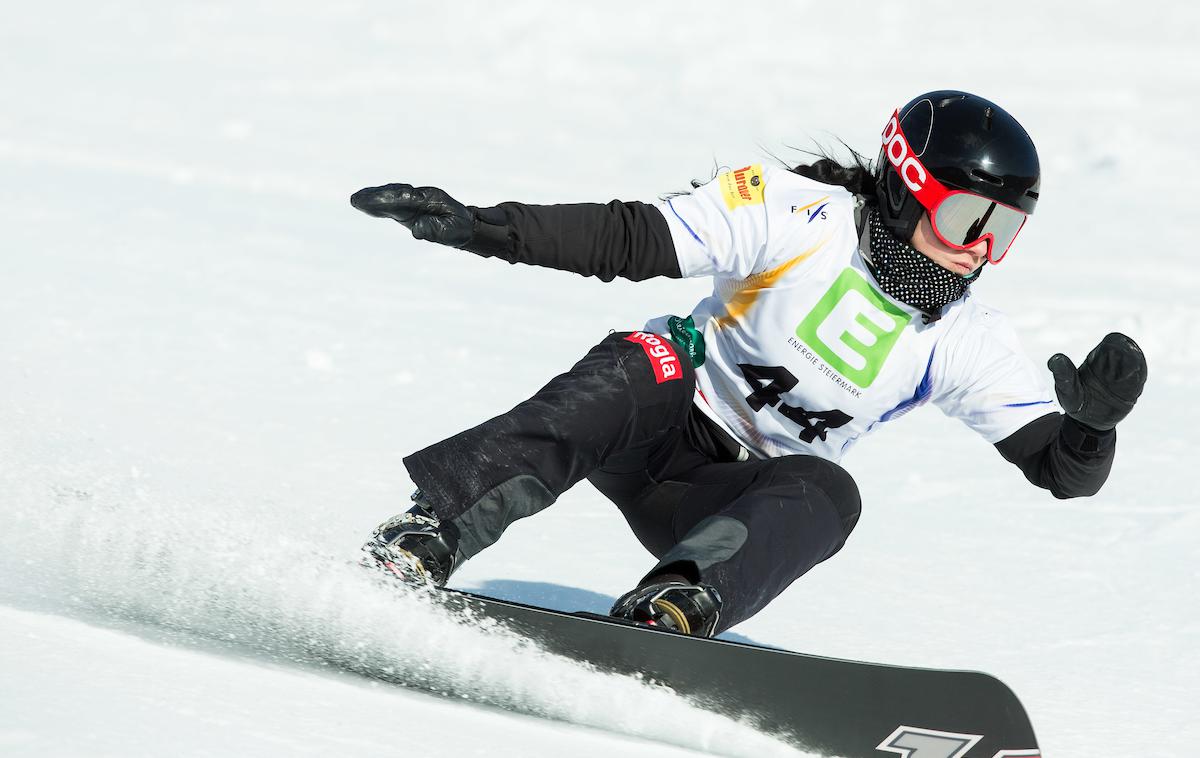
[910, 277]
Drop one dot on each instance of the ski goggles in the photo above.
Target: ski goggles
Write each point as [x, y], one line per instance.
[960, 219]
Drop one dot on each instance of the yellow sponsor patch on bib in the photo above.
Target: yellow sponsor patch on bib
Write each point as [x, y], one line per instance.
[743, 186]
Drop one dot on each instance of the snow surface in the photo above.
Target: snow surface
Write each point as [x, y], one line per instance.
[211, 365]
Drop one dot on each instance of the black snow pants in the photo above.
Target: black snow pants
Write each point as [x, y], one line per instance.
[623, 418]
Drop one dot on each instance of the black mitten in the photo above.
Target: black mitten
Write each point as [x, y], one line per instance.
[1104, 388]
[428, 212]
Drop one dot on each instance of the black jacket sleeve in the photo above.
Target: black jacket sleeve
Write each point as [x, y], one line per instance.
[1057, 453]
[629, 240]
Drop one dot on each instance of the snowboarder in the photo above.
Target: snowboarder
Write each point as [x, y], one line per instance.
[841, 301]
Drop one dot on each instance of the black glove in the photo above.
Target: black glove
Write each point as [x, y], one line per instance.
[428, 212]
[1104, 388]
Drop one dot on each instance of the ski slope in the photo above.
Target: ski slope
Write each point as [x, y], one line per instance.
[211, 366]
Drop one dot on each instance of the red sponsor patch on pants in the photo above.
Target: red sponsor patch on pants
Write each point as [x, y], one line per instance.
[662, 356]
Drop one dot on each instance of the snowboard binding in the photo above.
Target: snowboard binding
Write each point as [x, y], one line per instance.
[691, 609]
[415, 547]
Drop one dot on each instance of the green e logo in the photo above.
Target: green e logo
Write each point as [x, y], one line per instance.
[853, 328]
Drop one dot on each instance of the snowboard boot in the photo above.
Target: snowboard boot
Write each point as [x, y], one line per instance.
[415, 547]
[681, 607]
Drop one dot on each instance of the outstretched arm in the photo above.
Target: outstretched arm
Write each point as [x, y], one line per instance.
[1071, 455]
[630, 240]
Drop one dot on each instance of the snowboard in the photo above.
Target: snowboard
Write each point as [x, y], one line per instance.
[832, 706]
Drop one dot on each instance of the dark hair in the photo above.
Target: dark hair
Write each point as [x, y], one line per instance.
[858, 178]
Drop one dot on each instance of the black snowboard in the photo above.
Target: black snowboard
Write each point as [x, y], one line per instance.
[836, 707]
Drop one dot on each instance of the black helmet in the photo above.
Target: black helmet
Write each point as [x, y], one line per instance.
[968, 144]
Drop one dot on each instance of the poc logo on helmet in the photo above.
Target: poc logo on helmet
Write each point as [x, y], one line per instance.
[899, 154]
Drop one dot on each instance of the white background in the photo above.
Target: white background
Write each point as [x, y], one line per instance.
[211, 366]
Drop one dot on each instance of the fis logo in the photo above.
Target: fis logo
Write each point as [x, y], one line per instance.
[814, 210]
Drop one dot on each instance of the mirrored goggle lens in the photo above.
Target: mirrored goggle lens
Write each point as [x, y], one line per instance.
[964, 219]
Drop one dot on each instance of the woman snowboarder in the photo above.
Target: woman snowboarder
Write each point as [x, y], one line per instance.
[841, 301]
